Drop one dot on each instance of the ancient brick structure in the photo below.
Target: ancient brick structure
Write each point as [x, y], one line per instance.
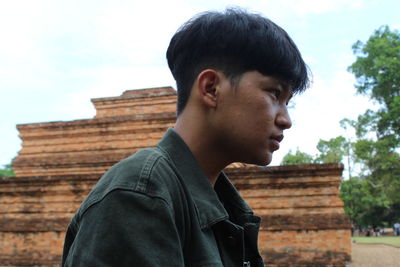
[137, 119]
[303, 218]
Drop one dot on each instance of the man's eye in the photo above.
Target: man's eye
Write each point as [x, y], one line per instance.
[275, 92]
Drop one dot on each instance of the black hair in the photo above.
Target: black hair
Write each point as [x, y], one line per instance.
[234, 42]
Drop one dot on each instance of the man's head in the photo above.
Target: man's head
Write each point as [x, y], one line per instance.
[233, 42]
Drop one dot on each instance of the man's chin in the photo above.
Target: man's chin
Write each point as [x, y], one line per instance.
[264, 164]
[265, 161]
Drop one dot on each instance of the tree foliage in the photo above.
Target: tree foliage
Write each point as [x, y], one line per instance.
[377, 70]
[374, 199]
[367, 206]
[371, 196]
[377, 66]
[330, 151]
[297, 157]
[333, 150]
[6, 171]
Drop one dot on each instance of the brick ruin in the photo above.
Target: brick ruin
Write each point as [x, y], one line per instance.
[303, 219]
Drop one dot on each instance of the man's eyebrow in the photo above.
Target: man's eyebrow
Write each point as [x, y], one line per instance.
[285, 85]
[272, 81]
[282, 84]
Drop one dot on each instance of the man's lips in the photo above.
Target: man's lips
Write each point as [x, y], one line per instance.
[275, 140]
[278, 137]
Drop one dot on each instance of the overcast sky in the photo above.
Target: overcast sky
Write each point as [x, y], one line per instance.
[57, 55]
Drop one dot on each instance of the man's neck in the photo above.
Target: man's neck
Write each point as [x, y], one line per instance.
[202, 146]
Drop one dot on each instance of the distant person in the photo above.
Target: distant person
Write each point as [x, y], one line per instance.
[382, 232]
[172, 205]
[396, 229]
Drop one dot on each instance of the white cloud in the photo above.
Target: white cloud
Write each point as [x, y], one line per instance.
[306, 7]
[113, 81]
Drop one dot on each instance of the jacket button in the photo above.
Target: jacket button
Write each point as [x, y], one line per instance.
[231, 240]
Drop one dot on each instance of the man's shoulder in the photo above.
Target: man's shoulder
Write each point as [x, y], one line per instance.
[147, 172]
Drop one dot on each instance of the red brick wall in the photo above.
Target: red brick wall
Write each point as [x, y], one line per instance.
[94, 145]
[303, 221]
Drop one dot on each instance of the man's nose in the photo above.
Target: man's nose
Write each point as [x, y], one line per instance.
[283, 119]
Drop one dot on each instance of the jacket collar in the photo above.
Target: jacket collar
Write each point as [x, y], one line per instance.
[207, 201]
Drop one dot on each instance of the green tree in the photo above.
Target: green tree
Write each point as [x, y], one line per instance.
[333, 150]
[363, 207]
[377, 66]
[337, 149]
[330, 151]
[297, 157]
[377, 70]
[6, 171]
[374, 198]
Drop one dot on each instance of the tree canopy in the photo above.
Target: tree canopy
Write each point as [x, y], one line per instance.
[371, 195]
[297, 157]
[377, 66]
[6, 171]
[330, 151]
[377, 70]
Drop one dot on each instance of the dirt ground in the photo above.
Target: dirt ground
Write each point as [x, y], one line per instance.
[371, 255]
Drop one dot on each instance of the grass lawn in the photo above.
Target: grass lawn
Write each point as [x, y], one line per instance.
[390, 240]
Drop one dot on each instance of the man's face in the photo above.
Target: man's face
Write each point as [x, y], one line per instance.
[251, 117]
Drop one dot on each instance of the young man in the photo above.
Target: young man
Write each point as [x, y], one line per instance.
[172, 205]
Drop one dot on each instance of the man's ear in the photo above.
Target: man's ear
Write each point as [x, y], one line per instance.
[207, 84]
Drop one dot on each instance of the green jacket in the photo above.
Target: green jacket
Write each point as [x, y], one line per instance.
[157, 208]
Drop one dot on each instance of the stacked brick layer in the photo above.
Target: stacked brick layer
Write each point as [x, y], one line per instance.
[94, 145]
[34, 213]
[303, 222]
[144, 101]
[303, 218]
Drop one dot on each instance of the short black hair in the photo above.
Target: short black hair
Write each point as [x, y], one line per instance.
[234, 42]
